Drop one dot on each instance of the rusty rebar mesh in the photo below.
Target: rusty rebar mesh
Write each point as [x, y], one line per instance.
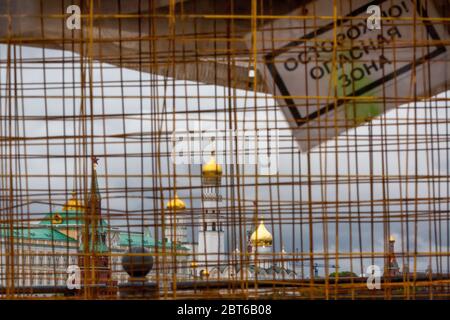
[136, 71]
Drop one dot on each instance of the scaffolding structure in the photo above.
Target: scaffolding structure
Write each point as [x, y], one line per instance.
[90, 116]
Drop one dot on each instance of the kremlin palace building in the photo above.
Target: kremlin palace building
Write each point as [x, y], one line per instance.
[38, 254]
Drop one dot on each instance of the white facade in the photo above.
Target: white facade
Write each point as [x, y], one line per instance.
[262, 257]
[211, 237]
[36, 263]
[45, 263]
[176, 227]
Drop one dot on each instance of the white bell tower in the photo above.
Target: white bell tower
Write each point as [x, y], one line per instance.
[211, 232]
[176, 230]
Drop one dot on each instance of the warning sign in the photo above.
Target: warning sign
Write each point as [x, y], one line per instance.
[332, 72]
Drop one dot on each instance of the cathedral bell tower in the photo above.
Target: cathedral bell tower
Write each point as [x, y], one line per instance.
[211, 233]
[176, 230]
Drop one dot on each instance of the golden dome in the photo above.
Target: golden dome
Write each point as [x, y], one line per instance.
[194, 264]
[204, 273]
[73, 204]
[261, 237]
[211, 169]
[176, 204]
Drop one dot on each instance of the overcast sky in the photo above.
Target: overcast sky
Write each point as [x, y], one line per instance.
[288, 202]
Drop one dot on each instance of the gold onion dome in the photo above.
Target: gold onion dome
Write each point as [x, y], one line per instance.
[261, 237]
[204, 273]
[176, 204]
[73, 204]
[211, 169]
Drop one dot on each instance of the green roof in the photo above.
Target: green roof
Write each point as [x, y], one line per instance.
[99, 247]
[135, 239]
[46, 230]
[69, 218]
[40, 233]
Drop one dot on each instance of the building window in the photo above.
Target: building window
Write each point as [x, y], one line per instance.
[205, 225]
[214, 226]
